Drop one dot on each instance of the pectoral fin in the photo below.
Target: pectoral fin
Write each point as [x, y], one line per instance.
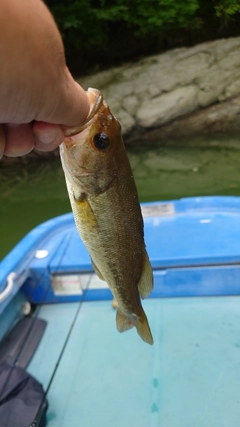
[98, 273]
[145, 284]
[84, 210]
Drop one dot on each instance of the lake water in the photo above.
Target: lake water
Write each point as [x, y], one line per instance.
[35, 192]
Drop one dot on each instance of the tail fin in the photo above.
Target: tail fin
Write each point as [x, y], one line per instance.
[124, 323]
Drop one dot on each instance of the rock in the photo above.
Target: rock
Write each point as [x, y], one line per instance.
[212, 86]
[162, 77]
[219, 118]
[224, 47]
[118, 90]
[102, 79]
[233, 88]
[190, 68]
[126, 121]
[160, 89]
[130, 104]
[167, 107]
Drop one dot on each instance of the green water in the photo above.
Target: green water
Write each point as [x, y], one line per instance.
[35, 192]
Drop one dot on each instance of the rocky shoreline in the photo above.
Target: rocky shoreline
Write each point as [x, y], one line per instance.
[181, 93]
[184, 91]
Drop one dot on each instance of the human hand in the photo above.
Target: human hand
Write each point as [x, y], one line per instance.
[38, 95]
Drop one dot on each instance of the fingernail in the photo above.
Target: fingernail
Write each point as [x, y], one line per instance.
[48, 137]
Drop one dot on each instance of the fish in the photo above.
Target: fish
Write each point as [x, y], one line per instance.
[107, 213]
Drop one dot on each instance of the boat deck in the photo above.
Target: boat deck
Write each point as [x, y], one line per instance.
[189, 377]
[95, 376]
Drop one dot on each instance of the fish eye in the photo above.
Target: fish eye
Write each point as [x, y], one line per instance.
[101, 141]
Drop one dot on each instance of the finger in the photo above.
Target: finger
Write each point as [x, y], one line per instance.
[77, 105]
[19, 139]
[2, 141]
[47, 136]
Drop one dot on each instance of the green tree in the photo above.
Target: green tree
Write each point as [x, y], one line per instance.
[108, 32]
[227, 9]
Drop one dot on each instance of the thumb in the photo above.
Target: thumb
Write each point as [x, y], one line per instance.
[68, 105]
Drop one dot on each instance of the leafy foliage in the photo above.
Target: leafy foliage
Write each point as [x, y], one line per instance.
[227, 8]
[149, 15]
[112, 31]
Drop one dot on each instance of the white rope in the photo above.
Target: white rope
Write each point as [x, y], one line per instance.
[9, 287]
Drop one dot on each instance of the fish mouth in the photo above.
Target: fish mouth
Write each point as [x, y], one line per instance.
[96, 101]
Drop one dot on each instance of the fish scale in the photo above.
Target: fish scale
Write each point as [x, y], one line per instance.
[107, 213]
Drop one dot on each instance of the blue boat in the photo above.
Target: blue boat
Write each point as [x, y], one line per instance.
[94, 376]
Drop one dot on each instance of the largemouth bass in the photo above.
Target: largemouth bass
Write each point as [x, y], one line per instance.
[107, 213]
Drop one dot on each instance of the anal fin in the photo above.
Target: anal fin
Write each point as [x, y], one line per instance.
[123, 322]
